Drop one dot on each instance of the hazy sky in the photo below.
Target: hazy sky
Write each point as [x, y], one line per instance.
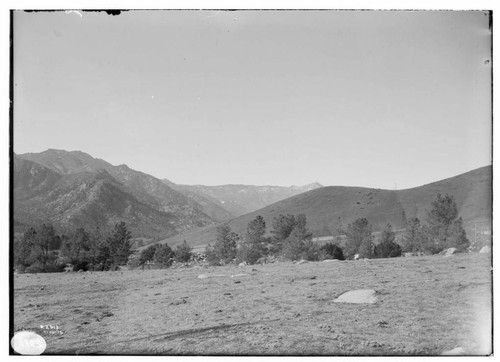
[361, 98]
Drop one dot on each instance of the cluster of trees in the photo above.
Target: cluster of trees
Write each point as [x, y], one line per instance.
[289, 239]
[441, 230]
[360, 241]
[42, 250]
[163, 255]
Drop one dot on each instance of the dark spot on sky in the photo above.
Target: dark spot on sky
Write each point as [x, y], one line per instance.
[107, 11]
[113, 12]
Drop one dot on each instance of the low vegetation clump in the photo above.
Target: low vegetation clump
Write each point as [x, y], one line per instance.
[183, 253]
[332, 251]
[387, 248]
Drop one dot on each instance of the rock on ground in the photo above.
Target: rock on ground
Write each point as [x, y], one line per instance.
[448, 252]
[358, 296]
[459, 351]
[485, 250]
[205, 276]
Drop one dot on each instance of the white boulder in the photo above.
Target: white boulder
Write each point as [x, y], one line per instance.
[361, 296]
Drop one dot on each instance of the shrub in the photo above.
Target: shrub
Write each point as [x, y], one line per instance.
[183, 252]
[296, 248]
[366, 249]
[81, 264]
[163, 255]
[211, 256]
[387, 249]
[249, 253]
[333, 251]
[147, 254]
[312, 251]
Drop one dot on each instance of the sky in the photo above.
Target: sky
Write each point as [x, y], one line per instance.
[385, 99]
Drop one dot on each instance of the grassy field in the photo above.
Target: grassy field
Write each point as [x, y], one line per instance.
[426, 305]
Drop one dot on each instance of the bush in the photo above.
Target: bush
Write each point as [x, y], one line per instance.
[312, 251]
[366, 249]
[333, 251]
[81, 264]
[163, 255]
[249, 253]
[211, 256]
[183, 252]
[134, 261]
[387, 249]
[295, 248]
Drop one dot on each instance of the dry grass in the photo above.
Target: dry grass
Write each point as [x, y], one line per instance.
[426, 305]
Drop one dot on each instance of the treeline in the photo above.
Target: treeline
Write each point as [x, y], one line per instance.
[42, 250]
[290, 239]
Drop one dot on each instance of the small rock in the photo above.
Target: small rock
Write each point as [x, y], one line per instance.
[459, 351]
[485, 250]
[448, 252]
[237, 281]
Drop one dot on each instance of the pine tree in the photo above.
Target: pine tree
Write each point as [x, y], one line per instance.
[282, 228]
[357, 233]
[254, 244]
[225, 247]
[443, 227]
[119, 244]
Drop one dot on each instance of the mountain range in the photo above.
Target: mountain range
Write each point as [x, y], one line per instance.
[74, 189]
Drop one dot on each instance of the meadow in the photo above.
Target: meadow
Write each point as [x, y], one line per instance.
[425, 306]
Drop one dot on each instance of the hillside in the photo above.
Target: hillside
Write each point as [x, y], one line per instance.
[84, 199]
[145, 188]
[328, 208]
[242, 199]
